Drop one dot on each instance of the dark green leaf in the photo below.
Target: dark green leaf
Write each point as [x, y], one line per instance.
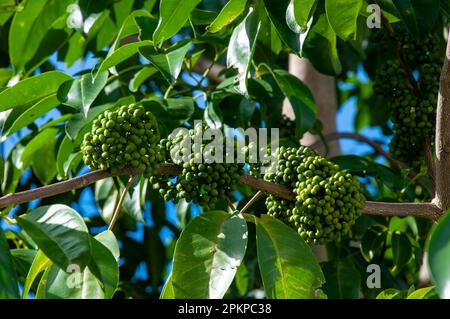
[9, 286]
[287, 265]
[401, 250]
[207, 254]
[173, 16]
[60, 232]
[342, 279]
[420, 16]
[372, 242]
[44, 162]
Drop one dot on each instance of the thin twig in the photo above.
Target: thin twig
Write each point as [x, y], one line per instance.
[251, 201]
[230, 203]
[120, 203]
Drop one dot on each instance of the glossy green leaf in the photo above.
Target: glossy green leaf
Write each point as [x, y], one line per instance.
[392, 293]
[170, 62]
[207, 254]
[30, 26]
[60, 232]
[32, 113]
[106, 196]
[81, 93]
[97, 281]
[173, 16]
[141, 76]
[121, 54]
[229, 13]
[65, 149]
[300, 98]
[401, 250]
[303, 10]
[32, 90]
[287, 265]
[9, 286]
[439, 256]
[420, 16]
[167, 291]
[342, 16]
[242, 46]
[421, 293]
[38, 142]
[40, 263]
[342, 279]
[5, 76]
[23, 259]
[44, 162]
[372, 242]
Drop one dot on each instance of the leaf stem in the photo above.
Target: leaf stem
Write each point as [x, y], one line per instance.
[251, 201]
[120, 203]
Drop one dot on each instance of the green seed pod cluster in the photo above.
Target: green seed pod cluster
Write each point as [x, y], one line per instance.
[328, 200]
[287, 127]
[203, 180]
[127, 136]
[412, 112]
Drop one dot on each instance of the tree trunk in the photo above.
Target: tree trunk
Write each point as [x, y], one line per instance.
[324, 92]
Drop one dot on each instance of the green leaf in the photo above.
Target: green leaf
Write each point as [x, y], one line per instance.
[141, 76]
[81, 93]
[97, 281]
[342, 16]
[173, 16]
[401, 250]
[32, 90]
[372, 242]
[207, 254]
[319, 46]
[303, 10]
[420, 16]
[32, 113]
[421, 293]
[5, 76]
[167, 291]
[65, 149]
[9, 286]
[300, 98]
[276, 10]
[438, 248]
[44, 162]
[170, 62]
[106, 196]
[392, 293]
[30, 26]
[242, 46]
[40, 263]
[242, 279]
[38, 142]
[342, 279]
[121, 54]
[287, 265]
[229, 13]
[60, 233]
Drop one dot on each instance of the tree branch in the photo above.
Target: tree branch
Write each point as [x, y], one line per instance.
[425, 210]
[355, 136]
[442, 198]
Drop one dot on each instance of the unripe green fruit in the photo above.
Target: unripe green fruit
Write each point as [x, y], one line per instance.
[111, 145]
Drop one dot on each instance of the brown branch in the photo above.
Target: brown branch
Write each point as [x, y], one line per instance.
[428, 153]
[425, 210]
[442, 198]
[361, 138]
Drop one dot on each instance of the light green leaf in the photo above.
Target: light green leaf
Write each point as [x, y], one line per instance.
[40, 263]
[81, 93]
[173, 16]
[300, 98]
[421, 293]
[207, 254]
[141, 76]
[170, 62]
[392, 293]
[32, 90]
[30, 26]
[65, 149]
[229, 13]
[242, 46]
[167, 291]
[303, 10]
[9, 286]
[121, 54]
[342, 16]
[287, 265]
[60, 233]
[438, 248]
[38, 142]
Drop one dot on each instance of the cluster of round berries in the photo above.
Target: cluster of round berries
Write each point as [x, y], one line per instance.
[328, 200]
[127, 136]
